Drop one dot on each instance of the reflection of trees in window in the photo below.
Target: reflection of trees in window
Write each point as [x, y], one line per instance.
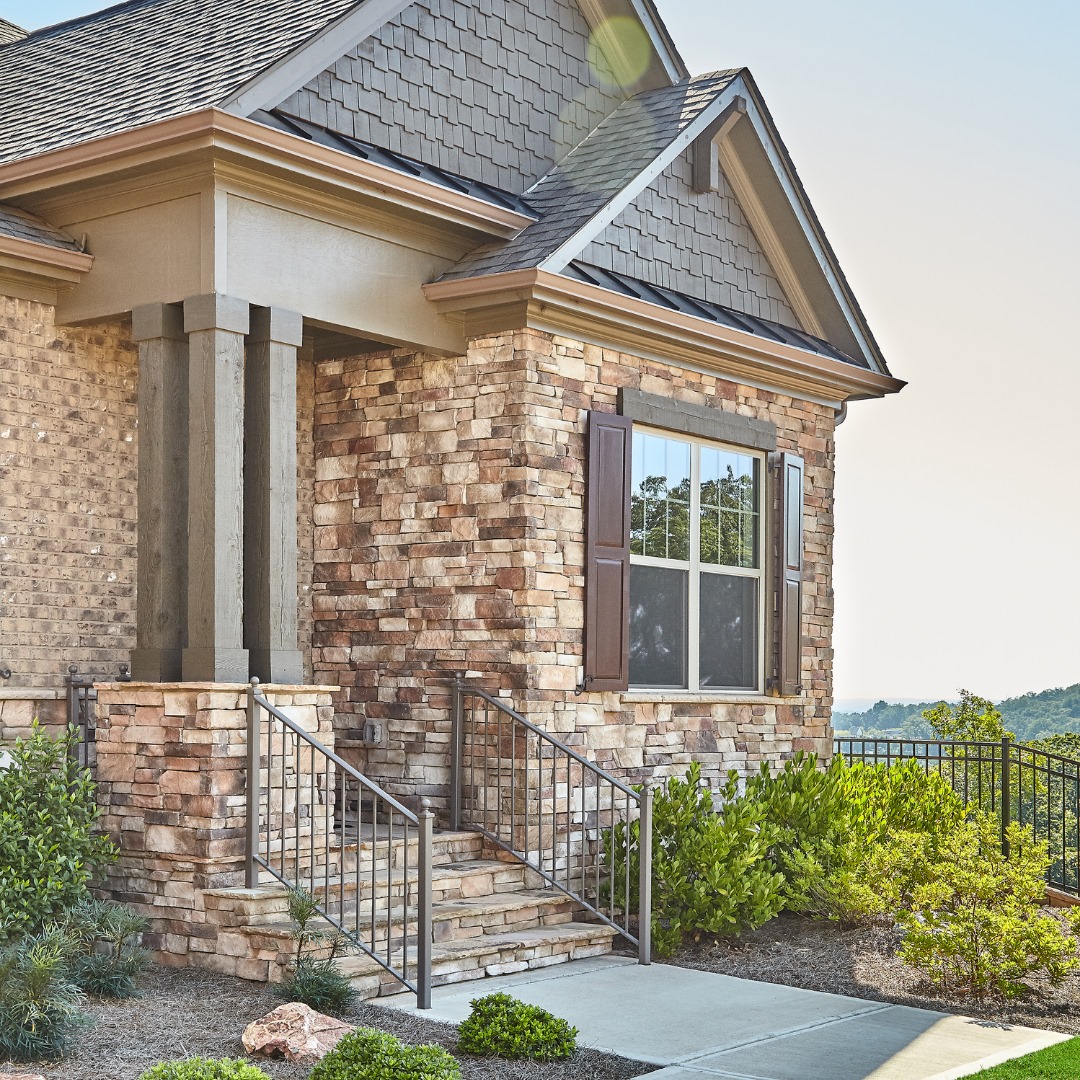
[660, 519]
[729, 520]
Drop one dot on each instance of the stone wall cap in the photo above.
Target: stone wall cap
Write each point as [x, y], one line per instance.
[205, 687]
[674, 697]
[26, 693]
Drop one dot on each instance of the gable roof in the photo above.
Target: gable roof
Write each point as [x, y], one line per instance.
[10, 32]
[142, 61]
[622, 155]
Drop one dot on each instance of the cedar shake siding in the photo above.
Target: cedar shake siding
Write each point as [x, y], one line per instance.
[695, 243]
[497, 92]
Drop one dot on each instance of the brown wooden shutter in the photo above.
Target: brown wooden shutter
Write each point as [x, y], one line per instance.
[607, 554]
[790, 471]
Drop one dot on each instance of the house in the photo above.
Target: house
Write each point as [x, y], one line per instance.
[364, 345]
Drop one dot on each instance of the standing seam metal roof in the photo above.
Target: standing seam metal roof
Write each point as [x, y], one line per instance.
[142, 61]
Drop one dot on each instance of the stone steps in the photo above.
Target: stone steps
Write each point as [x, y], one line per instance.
[491, 954]
[489, 916]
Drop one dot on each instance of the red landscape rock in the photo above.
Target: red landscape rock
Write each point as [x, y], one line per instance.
[295, 1032]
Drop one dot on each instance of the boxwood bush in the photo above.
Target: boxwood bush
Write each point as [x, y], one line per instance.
[369, 1054]
[502, 1026]
[205, 1069]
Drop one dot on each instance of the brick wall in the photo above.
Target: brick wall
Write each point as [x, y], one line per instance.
[67, 494]
[496, 92]
[696, 243]
[449, 537]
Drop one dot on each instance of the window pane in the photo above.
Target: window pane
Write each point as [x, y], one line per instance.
[660, 503]
[728, 631]
[729, 508]
[658, 624]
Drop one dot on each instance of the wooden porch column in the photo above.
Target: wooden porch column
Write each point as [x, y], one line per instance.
[270, 548]
[215, 651]
[162, 511]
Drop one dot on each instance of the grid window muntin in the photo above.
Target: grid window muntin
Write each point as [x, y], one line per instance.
[676, 549]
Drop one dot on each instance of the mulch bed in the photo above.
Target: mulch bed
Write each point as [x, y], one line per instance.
[186, 1013]
[862, 963]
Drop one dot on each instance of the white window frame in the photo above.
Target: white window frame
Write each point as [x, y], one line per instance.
[696, 568]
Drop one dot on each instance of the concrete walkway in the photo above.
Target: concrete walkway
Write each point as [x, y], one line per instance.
[702, 1025]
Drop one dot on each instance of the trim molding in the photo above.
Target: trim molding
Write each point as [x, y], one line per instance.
[211, 131]
[306, 61]
[555, 304]
[767, 237]
[38, 272]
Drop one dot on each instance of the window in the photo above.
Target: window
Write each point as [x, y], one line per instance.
[696, 557]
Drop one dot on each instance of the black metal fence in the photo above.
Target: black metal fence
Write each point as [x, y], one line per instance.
[1018, 783]
[82, 710]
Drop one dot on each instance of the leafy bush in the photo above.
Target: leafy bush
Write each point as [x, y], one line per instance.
[48, 850]
[369, 1054]
[39, 1006]
[830, 831]
[108, 956]
[313, 980]
[711, 869]
[501, 1026]
[205, 1069]
[974, 926]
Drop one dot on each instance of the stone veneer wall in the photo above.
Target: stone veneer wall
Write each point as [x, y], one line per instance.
[171, 783]
[449, 537]
[67, 488]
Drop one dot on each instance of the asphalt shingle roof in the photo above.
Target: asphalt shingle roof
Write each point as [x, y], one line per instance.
[595, 171]
[142, 61]
[23, 226]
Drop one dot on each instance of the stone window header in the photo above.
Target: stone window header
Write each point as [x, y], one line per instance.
[700, 420]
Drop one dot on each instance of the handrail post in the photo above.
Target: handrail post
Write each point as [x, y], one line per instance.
[1006, 793]
[644, 874]
[253, 754]
[423, 917]
[457, 735]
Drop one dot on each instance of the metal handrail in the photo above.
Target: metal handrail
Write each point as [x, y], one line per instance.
[1036, 788]
[507, 806]
[297, 765]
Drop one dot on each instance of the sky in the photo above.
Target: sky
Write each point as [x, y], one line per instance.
[940, 145]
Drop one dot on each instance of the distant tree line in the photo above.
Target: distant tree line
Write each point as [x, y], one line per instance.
[1029, 717]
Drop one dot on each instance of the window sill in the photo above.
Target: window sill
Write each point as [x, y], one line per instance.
[717, 697]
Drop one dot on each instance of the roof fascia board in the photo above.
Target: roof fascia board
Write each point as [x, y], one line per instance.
[304, 63]
[571, 248]
[665, 68]
[797, 199]
[661, 39]
[725, 157]
[44, 260]
[563, 304]
[212, 130]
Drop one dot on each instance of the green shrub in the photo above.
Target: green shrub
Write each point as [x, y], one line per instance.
[39, 1005]
[974, 926]
[48, 850]
[205, 1069]
[830, 831]
[501, 1026]
[108, 957]
[314, 981]
[711, 869]
[369, 1054]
